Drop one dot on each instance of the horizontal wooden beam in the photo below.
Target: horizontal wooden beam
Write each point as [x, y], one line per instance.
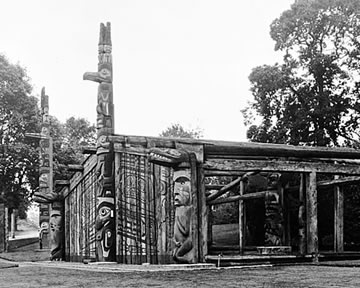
[339, 182]
[62, 182]
[238, 166]
[223, 190]
[213, 148]
[248, 196]
[75, 167]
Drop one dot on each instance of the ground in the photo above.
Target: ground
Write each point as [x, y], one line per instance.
[286, 276]
[29, 267]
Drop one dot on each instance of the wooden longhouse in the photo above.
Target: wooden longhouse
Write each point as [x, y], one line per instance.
[144, 199]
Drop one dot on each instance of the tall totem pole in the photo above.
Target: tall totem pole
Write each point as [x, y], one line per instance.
[105, 208]
[51, 203]
[45, 169]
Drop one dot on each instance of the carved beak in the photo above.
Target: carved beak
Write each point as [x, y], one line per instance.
[92, 76]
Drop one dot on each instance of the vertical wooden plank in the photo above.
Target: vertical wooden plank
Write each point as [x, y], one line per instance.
[282, 201]
[67, 228]
[78, 220]
[6, 229]
[152, 211]
[203, 216]
[311, 219]
[241, 218]
[117, 179]
[195, 204]
[158, 212]
[2, 227]
[338, 219]
[148, 192]
[302, 216]
[209, 229]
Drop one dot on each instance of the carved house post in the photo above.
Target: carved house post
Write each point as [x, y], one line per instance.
[105, 209]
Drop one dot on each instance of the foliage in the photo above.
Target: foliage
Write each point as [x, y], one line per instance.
[313, 96]
[68, 140]
[19, 114]
[177, 131]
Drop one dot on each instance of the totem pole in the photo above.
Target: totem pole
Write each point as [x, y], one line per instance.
[105, 209]
[50, 201]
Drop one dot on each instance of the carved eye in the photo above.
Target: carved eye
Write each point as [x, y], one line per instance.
[104, 211]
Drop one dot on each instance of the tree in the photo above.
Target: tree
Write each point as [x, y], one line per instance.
[68, 140]
[19, 114]
[313, 96]
[177, 131]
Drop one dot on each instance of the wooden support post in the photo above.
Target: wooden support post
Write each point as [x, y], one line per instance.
[311, 213]
[241, 218]
[302, 216]
[12, 225]
[203, 216]
[338, 219]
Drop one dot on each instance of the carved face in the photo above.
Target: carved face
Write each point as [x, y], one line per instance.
[105, 73]
[55, 221]
[182, 189]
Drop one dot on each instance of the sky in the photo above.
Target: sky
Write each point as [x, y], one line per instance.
[175, 61]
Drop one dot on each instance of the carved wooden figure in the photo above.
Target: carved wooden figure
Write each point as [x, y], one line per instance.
[56, 234]
[183, 251]
[105, 211]
[185, 200]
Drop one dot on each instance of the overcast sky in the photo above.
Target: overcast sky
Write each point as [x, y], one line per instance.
[175, 61]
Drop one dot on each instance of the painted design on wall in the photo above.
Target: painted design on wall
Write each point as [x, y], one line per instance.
[183, 251]
[135, 210]
[105, 227]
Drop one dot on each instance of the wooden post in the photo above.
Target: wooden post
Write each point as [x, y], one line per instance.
[241, 218]
[203, 216]
[311, 219]
[338, 219]
[12, 225]
[302, 216]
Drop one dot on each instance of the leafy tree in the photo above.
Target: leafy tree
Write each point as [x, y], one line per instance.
[313, 96]
[19, 114]
[177, 131]
[68, 140]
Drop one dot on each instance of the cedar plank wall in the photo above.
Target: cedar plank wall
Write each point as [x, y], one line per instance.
[80, 214]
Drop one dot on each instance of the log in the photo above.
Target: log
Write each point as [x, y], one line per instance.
[249, 196]
[241, 218]
[203, 216]
[338, 218]
[237, 166]
[223, 190]
[230, 148]
[74, 167]
[311, 219]
[62, 182]
[302, 217]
